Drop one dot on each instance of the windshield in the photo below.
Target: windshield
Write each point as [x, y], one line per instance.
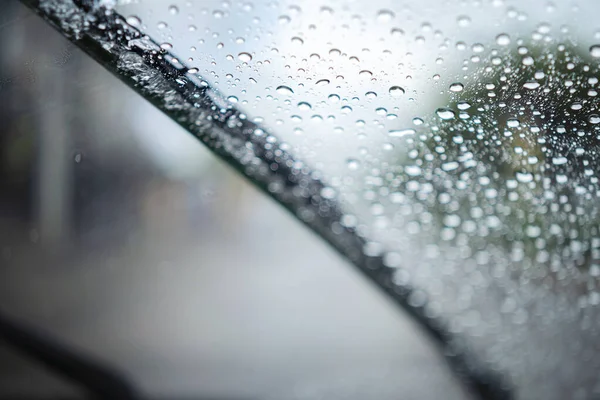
[450, 150]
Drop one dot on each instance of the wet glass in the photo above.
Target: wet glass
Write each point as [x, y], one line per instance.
[449, 149]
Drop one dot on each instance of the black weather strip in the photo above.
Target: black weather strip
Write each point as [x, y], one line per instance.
[95, 379]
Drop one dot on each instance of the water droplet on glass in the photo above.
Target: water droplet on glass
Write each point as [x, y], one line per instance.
[322, 82]
[328, 193]
[326, 11]
[503, 39]
[463, 105]
[285, 90]
[478, 48]
[524, 177]
[595, 51]
[134, 20]
[527, 60]
[397, 32]
[173, 10]
[457, 87]
[445, 113]
[463, 21]
[371, 95]
[396, 91]
[365, 74]
[531, 85]
[245, 57]
[513, 123]
[385, 15]
[594, 119]
[304, 106]
[232, 99]
[559, 160]
[353, 164]
[401, 132]
[334, 98]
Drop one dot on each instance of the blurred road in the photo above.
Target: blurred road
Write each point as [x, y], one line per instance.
[172, 268]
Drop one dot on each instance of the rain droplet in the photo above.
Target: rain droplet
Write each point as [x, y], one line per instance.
[531, 85]
[595, 51]
[457, 87]
[322, 82]
[594, 119]
[232, 99]
[478, 48]
[445, 113]
[513, 123]
[524, 177]
[365, 74]
[304, 106]
[503, 39]
[284, 90]
[397, 32]
[385, 15]
[463, 105]
[134, 21]
[328, 193]
[353, 164]
[327, 11]
[396, 91]
[559, 160]
[463, 21]
[245, 57]
[371, 95]
[173, 10]
[527, 60]
[334, 98]
[401, 132]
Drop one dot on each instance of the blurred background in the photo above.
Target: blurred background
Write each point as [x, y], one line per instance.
[123, 237]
